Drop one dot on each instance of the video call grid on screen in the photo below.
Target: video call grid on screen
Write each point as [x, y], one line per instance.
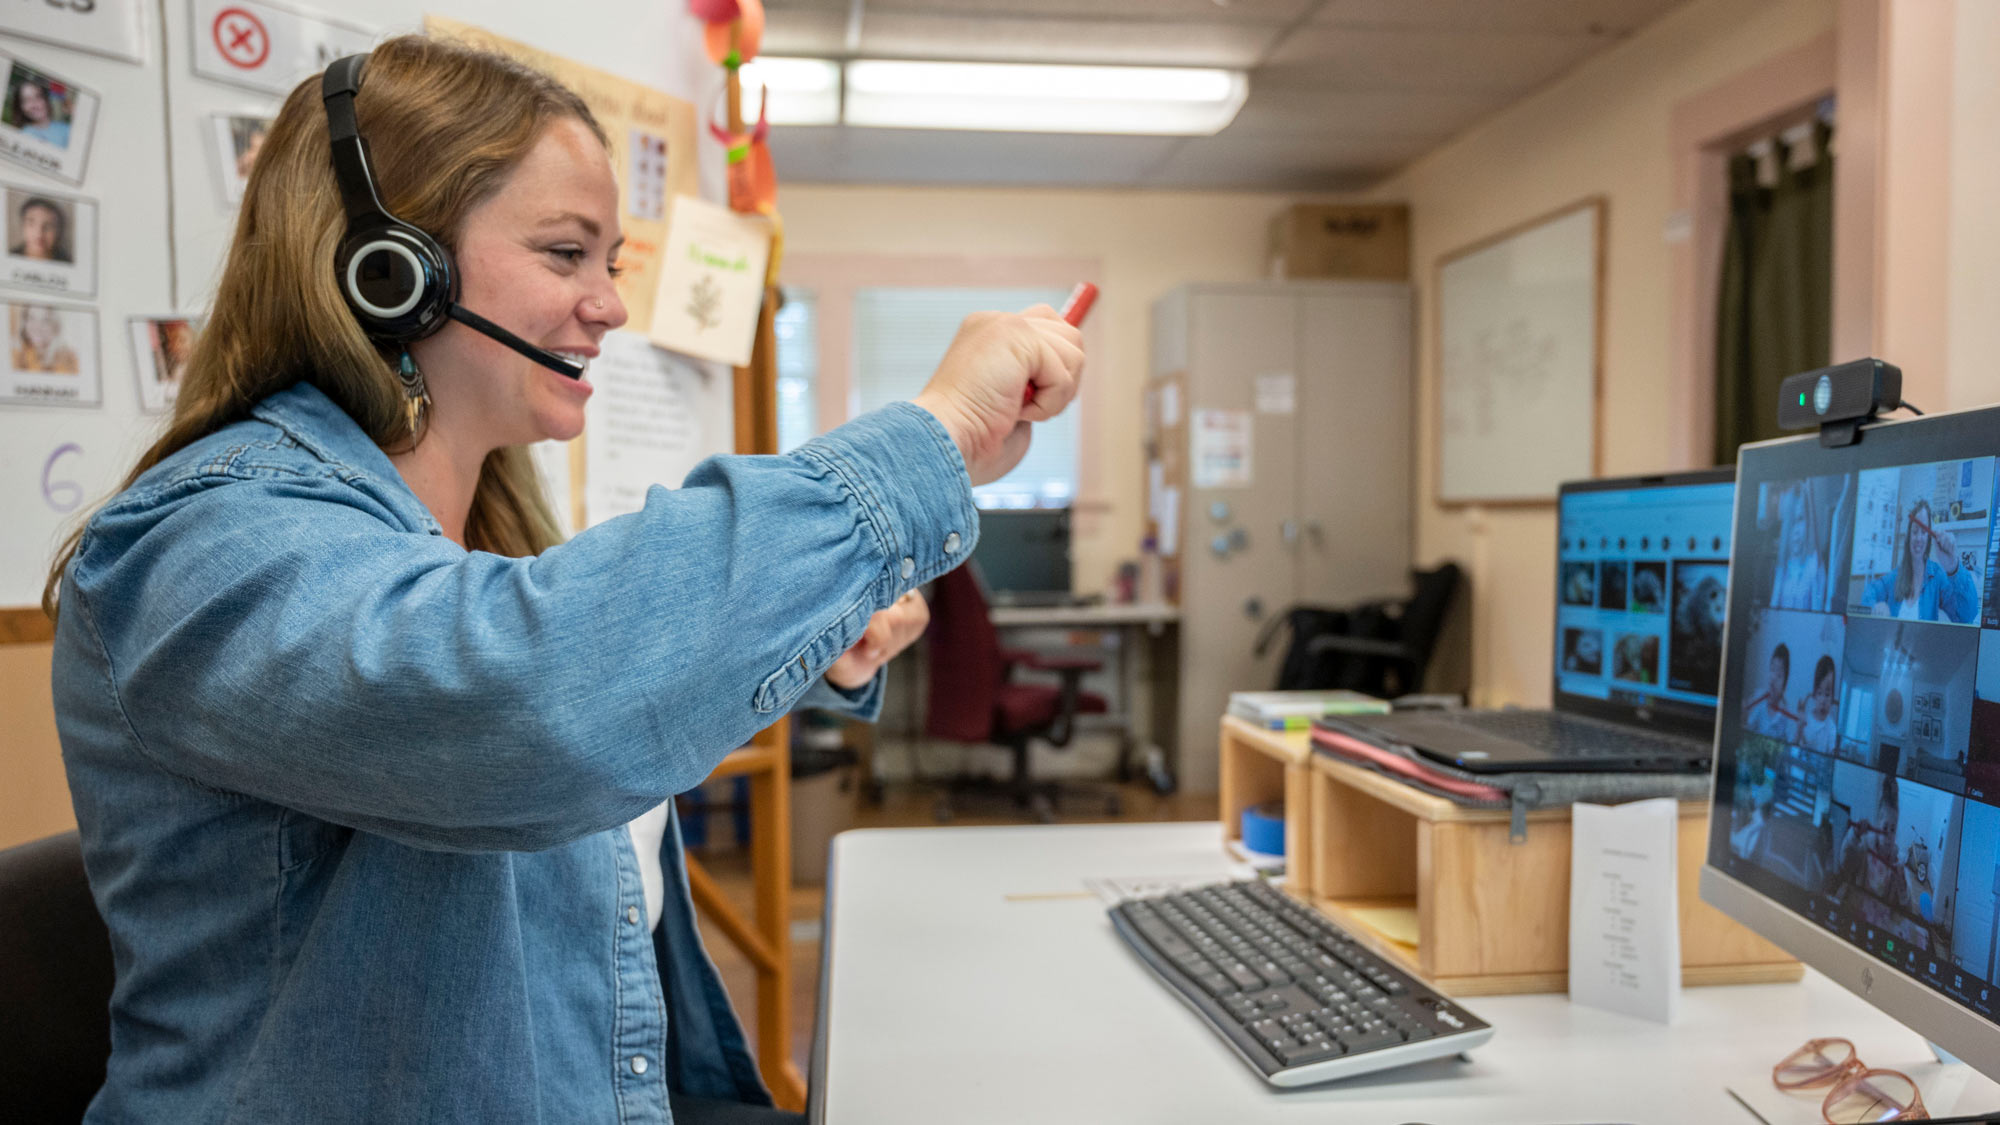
[1641, 581]
[1858, 739]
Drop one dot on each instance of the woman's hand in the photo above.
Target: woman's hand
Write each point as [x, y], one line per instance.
[889, 632]
[982, 389]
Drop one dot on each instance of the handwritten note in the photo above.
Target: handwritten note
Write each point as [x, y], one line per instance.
[711, 281]
[1624, 917]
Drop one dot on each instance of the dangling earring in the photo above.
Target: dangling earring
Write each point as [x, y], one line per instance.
[416, 396]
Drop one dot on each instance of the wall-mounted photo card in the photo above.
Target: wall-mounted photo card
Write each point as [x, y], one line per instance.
[238, 139]
[51, 357]
[51, 241]
[161, 346]
[45, 120]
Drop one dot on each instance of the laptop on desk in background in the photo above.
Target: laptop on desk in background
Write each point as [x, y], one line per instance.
[1642, 576]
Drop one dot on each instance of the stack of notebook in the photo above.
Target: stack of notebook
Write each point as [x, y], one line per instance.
[1296, 710]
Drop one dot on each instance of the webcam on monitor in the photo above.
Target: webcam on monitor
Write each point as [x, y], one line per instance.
[1840, 399]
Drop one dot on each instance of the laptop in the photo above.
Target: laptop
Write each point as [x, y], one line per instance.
[1642, 580]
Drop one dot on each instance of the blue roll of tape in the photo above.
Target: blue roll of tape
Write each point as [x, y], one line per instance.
[1264, 828]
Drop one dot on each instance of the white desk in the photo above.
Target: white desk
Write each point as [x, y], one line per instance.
[969, 978]
[1103, 615]
[1129, 620]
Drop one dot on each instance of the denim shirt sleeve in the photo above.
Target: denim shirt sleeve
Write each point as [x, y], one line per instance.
[1956, 595]
[864, 702]
[273, 635]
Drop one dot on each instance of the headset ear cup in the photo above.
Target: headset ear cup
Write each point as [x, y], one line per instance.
[397, 280]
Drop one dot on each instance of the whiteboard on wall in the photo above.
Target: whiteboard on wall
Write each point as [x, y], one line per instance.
[164, 219]
[1518, 345]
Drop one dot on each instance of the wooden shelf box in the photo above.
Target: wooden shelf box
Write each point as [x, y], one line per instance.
[1490, 915]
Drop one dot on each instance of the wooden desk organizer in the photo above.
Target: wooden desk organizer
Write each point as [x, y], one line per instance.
[1492, 916]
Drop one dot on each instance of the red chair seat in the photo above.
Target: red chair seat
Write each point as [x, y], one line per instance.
[1025, 706]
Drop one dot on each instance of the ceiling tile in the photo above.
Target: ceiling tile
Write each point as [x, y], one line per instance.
[1331, 163]
[897, 156]
[908, 35]
[1303, 111]
[806, 32]
[1424, 60]
[1607, 19]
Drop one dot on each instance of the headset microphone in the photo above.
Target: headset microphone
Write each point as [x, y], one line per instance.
[543, 356]
[397, 279]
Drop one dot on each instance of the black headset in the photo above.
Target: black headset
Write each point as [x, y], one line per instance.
[398, 280]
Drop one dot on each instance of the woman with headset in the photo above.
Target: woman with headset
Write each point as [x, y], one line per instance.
[372, 773]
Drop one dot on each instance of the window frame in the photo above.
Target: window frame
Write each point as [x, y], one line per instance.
[834, 278]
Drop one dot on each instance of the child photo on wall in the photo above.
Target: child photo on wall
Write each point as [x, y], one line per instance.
[51, 241]
[51, 356]
[45, 120]
[160, 350]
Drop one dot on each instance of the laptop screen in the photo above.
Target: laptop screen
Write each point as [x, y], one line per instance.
[1858, 747]
[1642, 578]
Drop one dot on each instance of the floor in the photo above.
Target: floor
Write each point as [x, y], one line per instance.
[901, 806]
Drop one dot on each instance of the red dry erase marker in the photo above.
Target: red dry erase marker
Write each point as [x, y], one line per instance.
[1074, 310]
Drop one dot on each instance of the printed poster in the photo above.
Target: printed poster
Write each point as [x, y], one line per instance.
[1220, 444]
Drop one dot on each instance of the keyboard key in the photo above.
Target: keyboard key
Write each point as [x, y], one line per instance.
[1370, 1040]
[1312, 1051]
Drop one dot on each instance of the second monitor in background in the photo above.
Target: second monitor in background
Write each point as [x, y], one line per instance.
[1023, 557]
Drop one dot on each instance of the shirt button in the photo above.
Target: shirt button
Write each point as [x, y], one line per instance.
[909, 566]
[951, 543]
[632, 914]
[638, 1064]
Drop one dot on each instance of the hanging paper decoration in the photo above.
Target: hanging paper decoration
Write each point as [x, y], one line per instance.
[733, 33]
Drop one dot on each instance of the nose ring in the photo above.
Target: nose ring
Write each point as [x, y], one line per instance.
[598, 304]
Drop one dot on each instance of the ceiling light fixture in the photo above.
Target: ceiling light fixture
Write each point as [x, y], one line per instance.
[1036, 98]
[1029, 98]
[803, 91]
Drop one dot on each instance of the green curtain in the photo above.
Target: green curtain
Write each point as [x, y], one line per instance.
[1775, 312]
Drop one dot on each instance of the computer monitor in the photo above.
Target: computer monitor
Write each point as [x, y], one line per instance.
[1642, 565]
[1856, 814]
[1023, 554]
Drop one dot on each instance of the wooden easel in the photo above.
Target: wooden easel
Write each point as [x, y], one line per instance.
[766, 761]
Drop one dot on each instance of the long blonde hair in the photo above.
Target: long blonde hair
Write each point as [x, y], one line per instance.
[446, 123]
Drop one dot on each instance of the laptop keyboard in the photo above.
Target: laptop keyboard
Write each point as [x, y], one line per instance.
[1571, 736]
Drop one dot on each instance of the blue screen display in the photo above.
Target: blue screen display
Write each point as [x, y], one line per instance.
[1641, 593]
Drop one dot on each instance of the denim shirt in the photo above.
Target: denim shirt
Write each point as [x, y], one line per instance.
[352, 798]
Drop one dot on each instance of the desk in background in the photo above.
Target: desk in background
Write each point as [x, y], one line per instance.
[970, 977]
[1147, 625]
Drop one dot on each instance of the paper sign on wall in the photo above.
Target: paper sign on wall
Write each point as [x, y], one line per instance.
[1624, 908]
[105, 27]
[711, 281]
[1220, 445]
[1277, 393]
[651, 420]
[266, 47]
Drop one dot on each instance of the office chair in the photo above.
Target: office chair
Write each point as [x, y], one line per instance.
[974, 698]
[1381, 648]
[55, 983]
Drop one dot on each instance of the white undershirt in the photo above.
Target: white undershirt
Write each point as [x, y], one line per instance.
[647, 834]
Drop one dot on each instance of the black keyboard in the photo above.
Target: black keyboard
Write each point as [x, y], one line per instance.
[1573, 736]
[1297, 997]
